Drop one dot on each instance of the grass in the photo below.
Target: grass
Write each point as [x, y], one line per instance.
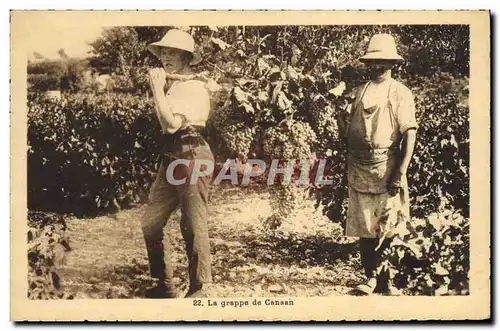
[304, 258]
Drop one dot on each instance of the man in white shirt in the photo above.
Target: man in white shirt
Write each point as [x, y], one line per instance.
[182, 111]
[380, 132]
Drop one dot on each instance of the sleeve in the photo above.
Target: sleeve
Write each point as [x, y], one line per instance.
[166, 126]
[406, 111]
[180, 121]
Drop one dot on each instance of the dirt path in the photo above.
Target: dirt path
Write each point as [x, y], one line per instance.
[108, 259]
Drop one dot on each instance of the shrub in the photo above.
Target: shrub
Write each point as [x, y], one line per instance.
[440, 166]
[47, 243]
[90, 151]
[430, 256]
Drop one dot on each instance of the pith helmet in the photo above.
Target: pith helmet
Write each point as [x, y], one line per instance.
[176, 39]
[381, 47]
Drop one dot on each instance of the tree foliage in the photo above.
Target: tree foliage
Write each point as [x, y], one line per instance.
[66, 74]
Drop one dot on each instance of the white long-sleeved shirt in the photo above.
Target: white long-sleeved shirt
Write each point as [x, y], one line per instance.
[190, 100]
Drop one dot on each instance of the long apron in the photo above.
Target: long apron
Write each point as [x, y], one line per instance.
[373, 154]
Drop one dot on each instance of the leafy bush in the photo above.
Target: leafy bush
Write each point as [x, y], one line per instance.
[65, 74]
[440, 166]
[90, 151]
[430, 256]
[47, 243]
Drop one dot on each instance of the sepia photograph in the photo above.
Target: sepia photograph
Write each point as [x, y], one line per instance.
[247, 169]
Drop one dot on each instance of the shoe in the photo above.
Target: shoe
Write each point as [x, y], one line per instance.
[161, 292]
[198, 292]
[383, 286]
[393, 291]
[367, 288]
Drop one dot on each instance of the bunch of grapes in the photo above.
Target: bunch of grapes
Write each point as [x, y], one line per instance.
[291, 140]
[326, 128]
[238, 139]
[276, 143]
[304, 138]
[285, 199]
[330, 145]
[222, 115]
[325, 124]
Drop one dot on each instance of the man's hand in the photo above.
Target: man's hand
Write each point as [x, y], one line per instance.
[396, 183]
[157, 79]
[343, 121]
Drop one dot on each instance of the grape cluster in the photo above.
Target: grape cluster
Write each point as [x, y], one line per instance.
[238, 139]
[290, 141]
[326, 128]
[285, 200]
[304, 138]
[275, 143]
[222, 116]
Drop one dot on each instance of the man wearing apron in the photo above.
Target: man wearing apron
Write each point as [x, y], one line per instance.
[182, 111]
[381, 132]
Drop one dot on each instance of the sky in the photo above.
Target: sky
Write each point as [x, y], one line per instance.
[47, 39]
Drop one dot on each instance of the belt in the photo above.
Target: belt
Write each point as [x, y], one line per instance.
[190, 129]
[372, 155]
[190, 136]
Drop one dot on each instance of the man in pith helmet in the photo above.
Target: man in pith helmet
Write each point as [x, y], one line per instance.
[381, 133]
[182, 111]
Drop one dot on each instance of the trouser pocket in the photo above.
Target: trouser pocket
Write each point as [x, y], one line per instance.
[189, 166]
